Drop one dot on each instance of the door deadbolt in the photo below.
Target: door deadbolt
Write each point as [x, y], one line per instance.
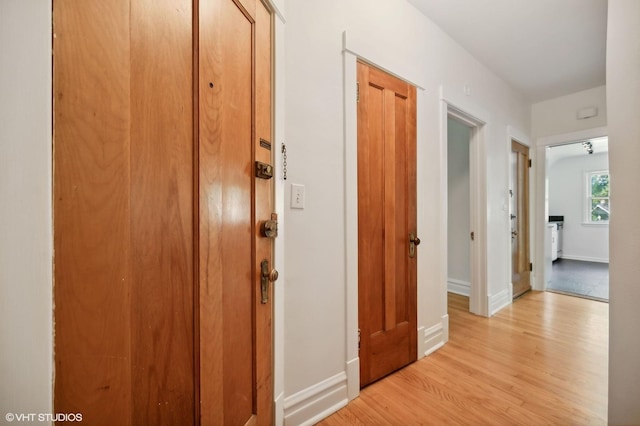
[266, 277]
[264, 170]
[269, 228]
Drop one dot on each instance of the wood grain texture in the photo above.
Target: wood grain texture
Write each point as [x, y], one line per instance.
[123, 205]
[542, 360]
[234, 113]
[386, 217]
[264, 206]
[161, 212]
[521, 275]
[92, 265]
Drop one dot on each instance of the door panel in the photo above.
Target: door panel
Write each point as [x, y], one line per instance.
[235, 113]
[161, 212]
[386, 217]
[521, 274]
[91, 204]
[123, 229]
[226, 261]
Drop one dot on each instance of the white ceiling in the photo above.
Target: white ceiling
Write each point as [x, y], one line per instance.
[555, 153]
[542, 48]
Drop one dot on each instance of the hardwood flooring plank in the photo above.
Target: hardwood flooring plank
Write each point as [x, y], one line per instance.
[540, 361]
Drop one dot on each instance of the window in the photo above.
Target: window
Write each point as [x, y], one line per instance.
[597, 197]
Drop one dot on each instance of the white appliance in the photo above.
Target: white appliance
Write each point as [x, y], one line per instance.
[547, 251]
[554, 241]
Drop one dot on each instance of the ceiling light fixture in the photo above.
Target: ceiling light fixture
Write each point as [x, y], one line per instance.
[588, 146]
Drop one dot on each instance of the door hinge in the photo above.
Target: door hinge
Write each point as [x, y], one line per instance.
[529, 163]
[358, 339]
[530, 267]
[357, 91]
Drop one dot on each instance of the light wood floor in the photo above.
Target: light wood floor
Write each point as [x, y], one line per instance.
[541, 361]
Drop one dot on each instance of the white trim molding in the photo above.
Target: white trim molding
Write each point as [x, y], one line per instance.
[500, 300]
[316, 402]
[434, 337]
[542, 197]
[474, 116]
[460, 287]
[584, 258]
[353, 378]
[278, 404]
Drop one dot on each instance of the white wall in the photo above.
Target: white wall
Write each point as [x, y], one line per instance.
[559, 115]
[459, 220]
[623, 102]
[567, 190]
[396, 37]
[401, 40]
[25, 210]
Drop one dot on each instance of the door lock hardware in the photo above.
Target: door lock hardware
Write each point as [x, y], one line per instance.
[264, 170]
[266, 277]
[512, 216]
[413, 242]
[473, 236]
[269, 228]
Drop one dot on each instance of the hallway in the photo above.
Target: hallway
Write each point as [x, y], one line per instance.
[541, 360]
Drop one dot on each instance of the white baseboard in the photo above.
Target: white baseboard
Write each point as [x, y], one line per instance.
[316, 402]
[500, 300]
[585, 258]
[460, 287]
[421, 343]
[436, 336]
[353, 378]
[279, 408]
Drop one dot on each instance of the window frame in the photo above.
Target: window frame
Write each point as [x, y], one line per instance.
[589, 197]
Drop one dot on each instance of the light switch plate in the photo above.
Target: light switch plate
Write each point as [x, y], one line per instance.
[297, 196]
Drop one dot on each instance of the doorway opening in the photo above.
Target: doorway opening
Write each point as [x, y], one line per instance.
[466, 127]
[577, 224]
[458, 208]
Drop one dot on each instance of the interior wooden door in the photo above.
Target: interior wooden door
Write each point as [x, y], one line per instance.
[234, 132]
[520, 260]
[161, 108]
[386, 223]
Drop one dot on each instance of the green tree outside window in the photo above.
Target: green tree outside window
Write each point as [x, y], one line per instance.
[599, 197]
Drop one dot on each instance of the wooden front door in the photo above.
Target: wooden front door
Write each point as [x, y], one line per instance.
[386, 221]
[235, 116]
[520, 258]
[159, 108]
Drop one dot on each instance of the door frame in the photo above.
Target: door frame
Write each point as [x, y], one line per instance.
[476, 119]
[514, 134]
[541, 216]
[278, 64]
[352, 54]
